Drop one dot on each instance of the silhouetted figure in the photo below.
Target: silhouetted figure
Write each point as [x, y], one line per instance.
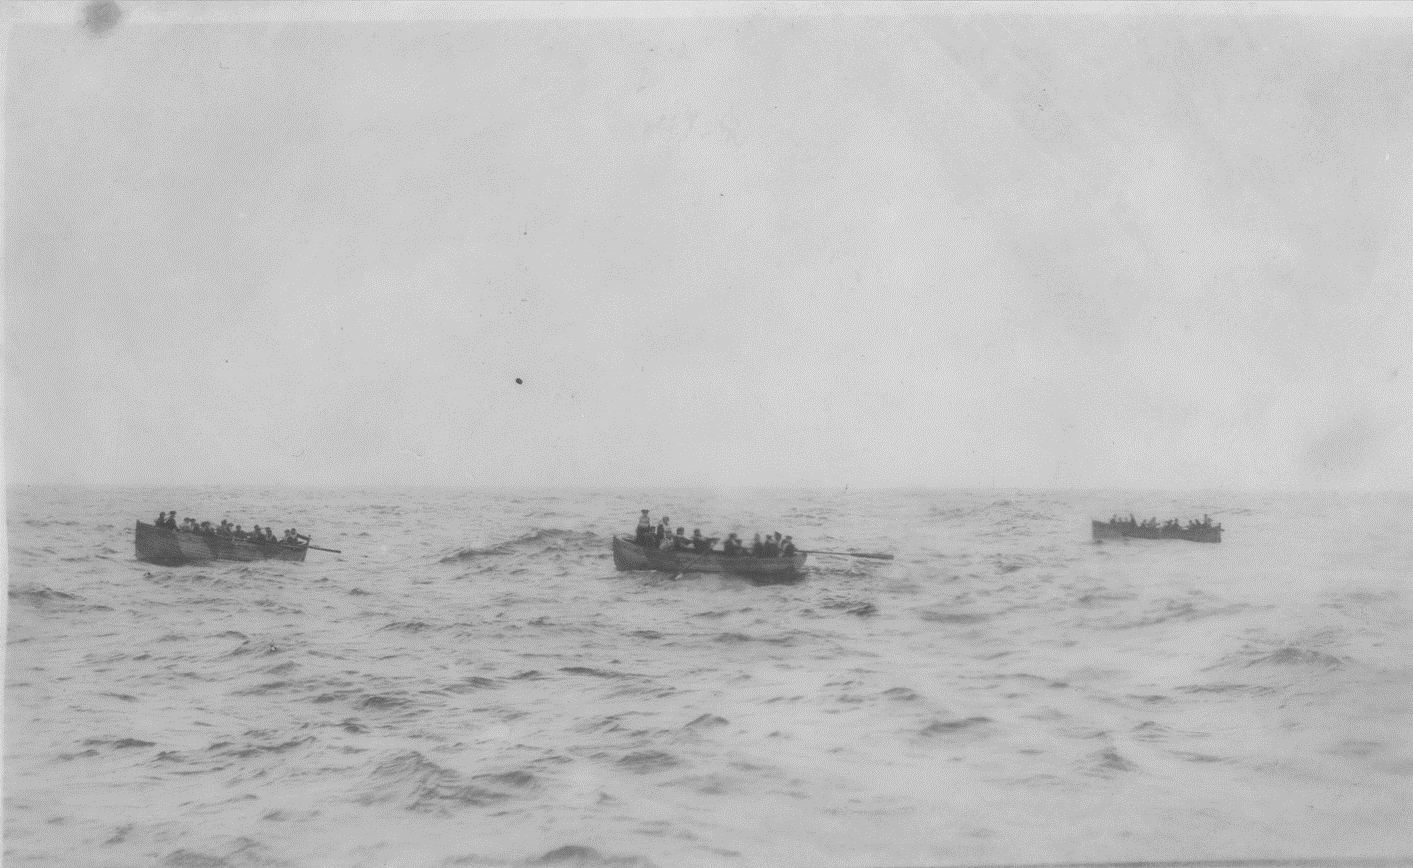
[680, 541]
[701, 544]
[787, 548]
[645, 529]
[757, 547]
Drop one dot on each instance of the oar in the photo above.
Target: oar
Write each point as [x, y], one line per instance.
[881, 557]
[317, 549]
[692, 564]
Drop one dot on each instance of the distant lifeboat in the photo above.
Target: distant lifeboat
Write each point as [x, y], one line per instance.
[1193, 532]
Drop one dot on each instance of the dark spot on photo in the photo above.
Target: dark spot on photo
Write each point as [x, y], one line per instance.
[101, 16]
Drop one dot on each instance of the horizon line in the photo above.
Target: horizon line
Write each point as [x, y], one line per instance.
[802, 486]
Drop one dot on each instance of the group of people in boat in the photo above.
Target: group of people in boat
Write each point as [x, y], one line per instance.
[662, 537]
[1171, 525]
[292, 537]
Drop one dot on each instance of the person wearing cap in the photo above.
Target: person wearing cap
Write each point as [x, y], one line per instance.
[680, 541]
[645, 528]
[769, 549]
[161, 520]
[787, 548]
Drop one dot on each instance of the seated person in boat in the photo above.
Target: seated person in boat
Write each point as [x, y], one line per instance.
[732, 546]
[161, 520]
[701, 543]
[664, 532]
[787, 548]
[757, 547]
[239, 532]
[769, 549]
[645, 529]
[680, 541]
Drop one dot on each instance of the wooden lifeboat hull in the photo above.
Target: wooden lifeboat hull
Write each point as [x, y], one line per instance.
[628, 555]
[1104, 530]
[160, 545]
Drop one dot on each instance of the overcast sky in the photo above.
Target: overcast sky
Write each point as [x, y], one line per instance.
[949, 249]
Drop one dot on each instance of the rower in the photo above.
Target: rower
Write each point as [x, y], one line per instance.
[645, 528]
[664, 530]
[699, 542]
[787, 548]
[161, 520]
[769, 549]
[680, 541]
[757, 547]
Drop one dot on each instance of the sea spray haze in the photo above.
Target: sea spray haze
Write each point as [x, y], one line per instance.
[471, 682]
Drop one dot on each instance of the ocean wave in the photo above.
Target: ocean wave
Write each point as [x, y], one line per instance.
[410, 780]
[37, 595]
[1106, 763]
[577, 856]
[525, 692]
[536, 540]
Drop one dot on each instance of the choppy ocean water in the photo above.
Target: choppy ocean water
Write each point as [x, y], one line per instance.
[471, 683]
